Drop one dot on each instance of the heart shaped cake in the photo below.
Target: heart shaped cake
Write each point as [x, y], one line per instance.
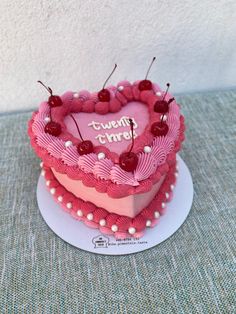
[109, 158]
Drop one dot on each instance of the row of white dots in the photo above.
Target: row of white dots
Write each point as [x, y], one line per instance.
[53, 190]
[69, 205]
[102, 222]
[90, 215]
[101, 155]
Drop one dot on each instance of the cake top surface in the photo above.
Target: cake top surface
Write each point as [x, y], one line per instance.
[113, 129]
[106, 125]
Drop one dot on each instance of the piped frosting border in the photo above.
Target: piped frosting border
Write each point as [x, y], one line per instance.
[108, 223]
[105, 175]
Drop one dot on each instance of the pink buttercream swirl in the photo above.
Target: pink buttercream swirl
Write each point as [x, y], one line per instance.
[87, 162]
[159, 155]
[38, 127]
[84, 95]
[119, 176]
[164, 142]
[70, 156]
[102, 169]
[67, 160]
[147, 165]
[56, 148]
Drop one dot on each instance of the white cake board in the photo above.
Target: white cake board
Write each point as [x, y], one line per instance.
[91, 240]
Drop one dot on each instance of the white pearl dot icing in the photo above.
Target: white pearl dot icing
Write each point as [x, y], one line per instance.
[76, 95]
[68, 143]
[163, 117]
[52, 191]
[163, 205]
[158, 93]
[132, 230]
[102, 222]
[69, 205]
[120, 88]
[47, 119]
[156, 214]
[148, 223]
[147, 149]
[90, 216]
[114, 228]
[101, 156]
[167, 195]
[43, 173]
[176, 174]
[79, 213]
[60, 198]
[172, 187]
[48, 183]
[41, 164]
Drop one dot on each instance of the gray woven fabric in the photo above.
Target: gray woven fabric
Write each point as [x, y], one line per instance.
[191, 272]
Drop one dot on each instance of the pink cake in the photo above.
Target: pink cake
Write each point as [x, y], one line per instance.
[109, 158]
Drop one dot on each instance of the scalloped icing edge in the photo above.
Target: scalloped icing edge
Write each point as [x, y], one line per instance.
[112, 189]
[92, 215]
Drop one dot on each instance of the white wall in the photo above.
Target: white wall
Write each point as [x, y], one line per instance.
[73, 44]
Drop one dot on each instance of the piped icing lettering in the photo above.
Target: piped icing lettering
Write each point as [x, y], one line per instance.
[113, 137]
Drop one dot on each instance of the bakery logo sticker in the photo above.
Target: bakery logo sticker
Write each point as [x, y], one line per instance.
[100, 242]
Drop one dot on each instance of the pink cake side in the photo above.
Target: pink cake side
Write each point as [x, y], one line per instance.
[128, 206]
[110, 223]
[93, 187]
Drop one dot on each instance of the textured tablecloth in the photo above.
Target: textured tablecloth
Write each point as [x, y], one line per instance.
[191, 272]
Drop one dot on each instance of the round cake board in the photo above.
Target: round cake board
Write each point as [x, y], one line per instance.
[92, 240]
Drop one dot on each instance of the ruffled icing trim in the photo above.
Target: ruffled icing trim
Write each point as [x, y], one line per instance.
[70, 167]
[67, 160]
[100, 218]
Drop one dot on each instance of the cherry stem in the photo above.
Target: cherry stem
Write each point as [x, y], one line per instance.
[168, 86]
[132, 134]
[154, 58]
[77, 127]
[109, 76]
[47, 87]
[162, 118]
[170, 100]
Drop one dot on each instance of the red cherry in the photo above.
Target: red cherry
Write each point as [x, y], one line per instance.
[104, 95]
[53, 128]
[85, 147]
[159, 128]
[145, 85]
[54, 101]
[128, 161]
[161, 106]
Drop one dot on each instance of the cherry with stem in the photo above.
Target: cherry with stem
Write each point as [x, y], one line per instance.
[53, 100]
[52, 128]
[104, 94]
[86, 146]
[128, 161]
[146, 84]
[162, 106]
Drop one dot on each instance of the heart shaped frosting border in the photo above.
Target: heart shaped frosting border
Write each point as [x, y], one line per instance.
[56, 154]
